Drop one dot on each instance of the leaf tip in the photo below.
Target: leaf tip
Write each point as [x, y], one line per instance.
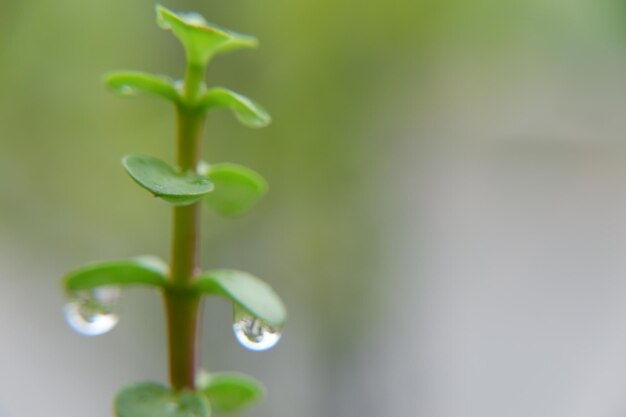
[124, 160]
[113, 81]
[163, 14]
[262, 120]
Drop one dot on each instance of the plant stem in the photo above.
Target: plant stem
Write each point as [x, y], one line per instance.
[194, 75]
[182, 304]
[182, 317]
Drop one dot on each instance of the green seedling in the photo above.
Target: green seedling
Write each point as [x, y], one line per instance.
[230, 189]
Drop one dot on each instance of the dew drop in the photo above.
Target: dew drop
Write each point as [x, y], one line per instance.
[126, 90]
[179, 85]
[91, 312]
[194, 19]
[252, 333]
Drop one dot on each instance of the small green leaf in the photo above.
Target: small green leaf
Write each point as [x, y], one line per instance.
[229, 392]
[237, 188]
[131, 83]
[201, 39]
[163, 181]
[149, 399]
[247, 111]
[143, 270]
[247, 291]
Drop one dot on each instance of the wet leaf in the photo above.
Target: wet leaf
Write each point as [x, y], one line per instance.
[139, 271]
[247, 291]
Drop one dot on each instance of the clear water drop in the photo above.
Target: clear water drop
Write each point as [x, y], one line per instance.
[179, 85]
[126, 90]
[194, 19]
[252, 333]
[91, 312]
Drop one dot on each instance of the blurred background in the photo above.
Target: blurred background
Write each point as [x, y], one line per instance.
[446, 221]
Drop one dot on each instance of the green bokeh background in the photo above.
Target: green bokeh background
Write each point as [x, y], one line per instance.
[356, 89]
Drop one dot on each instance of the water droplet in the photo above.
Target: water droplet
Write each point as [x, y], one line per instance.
[252, 333]
[179, 85]
[91, 312]
[193, 19]
[126, 90]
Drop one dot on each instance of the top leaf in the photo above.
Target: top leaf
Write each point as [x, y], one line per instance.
[201, 39]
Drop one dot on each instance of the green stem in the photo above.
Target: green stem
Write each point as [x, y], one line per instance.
[181, 303]
[182, 320]
[194, 77]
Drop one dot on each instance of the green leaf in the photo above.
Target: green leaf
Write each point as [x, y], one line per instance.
[201, 39]
[131, 83]
[164, 182]
[229, 392]
[237, 188]
[247, 291]
[247, 111]
[149, 399]
[142, 270]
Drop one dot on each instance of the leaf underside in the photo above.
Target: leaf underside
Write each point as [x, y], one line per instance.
[246, 110]
[237, 188]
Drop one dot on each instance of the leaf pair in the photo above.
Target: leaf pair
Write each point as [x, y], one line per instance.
[230, 189]
[131, 83]
[243, 289]
[222, 393]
